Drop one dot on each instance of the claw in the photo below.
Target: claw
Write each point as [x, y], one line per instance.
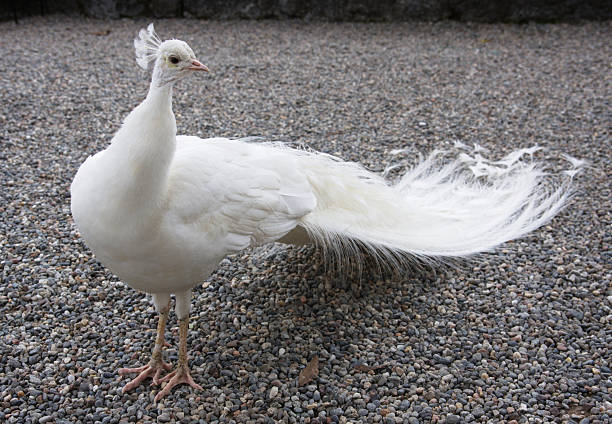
[153, 369]
[179, 376]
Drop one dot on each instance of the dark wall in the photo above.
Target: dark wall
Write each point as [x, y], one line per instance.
[333, 10]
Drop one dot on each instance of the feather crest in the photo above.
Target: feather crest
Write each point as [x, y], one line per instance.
[147, 47]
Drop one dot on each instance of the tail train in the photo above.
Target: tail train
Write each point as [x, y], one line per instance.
[450, 205]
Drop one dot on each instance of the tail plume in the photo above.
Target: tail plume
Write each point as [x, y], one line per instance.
[450, 205]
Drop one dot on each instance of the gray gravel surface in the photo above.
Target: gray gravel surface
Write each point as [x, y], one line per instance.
[520, 335]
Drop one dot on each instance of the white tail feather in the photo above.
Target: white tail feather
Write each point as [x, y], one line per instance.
[147, 47]
[445, 207]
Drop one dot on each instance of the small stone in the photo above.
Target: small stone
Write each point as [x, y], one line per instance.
[163, 417]
[426, 413]
[453, 419]
[273, 392]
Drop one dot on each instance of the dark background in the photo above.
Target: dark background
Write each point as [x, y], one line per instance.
[331, 10]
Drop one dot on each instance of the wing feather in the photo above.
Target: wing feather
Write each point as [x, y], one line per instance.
[250, 193]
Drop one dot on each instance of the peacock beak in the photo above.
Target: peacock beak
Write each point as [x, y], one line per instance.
[197, 66]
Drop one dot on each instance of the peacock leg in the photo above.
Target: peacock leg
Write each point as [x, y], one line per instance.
[156, 365]
[181, 374]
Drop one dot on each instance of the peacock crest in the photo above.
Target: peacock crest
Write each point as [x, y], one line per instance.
[147, 47]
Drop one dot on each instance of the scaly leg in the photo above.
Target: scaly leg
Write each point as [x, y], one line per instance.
[181, 375]
[156, 365]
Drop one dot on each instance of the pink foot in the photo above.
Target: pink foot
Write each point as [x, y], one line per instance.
[179, 376]
[152, 369]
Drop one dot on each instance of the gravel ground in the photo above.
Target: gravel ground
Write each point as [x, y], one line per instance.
[520, 335]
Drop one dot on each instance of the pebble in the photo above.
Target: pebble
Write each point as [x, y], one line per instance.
[450, 343]
[273, 392]
[453, 419]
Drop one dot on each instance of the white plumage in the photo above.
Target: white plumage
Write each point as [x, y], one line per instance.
[162, 211]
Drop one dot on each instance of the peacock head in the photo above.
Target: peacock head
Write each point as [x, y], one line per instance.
[172, 59]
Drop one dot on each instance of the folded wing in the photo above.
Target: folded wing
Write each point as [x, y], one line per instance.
[237, 194]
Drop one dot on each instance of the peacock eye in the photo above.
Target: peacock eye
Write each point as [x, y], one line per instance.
[173, 59]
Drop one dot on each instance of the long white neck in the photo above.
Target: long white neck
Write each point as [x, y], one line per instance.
[143, 148]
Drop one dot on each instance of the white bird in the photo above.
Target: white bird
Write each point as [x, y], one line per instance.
[161, 210]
